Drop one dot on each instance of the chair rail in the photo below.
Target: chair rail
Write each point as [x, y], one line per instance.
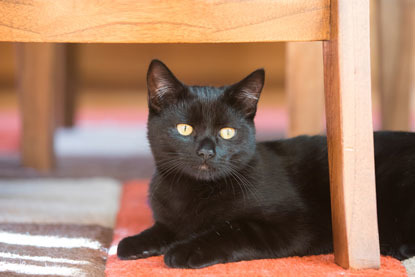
[160, 21]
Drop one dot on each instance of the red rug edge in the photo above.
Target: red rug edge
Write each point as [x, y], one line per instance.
[134, 215]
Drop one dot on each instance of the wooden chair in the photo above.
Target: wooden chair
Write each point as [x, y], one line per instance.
[393, 71]
[394, 56]
[342, 25]
[304, 86]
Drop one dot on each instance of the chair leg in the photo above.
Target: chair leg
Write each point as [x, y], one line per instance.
[36, 85]
[350, 136]
[304, 86]
[395, 21]
[71, 85]
[66, 82]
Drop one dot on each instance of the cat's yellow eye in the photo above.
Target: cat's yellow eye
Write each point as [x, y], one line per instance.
[227, 133]
[184, 129]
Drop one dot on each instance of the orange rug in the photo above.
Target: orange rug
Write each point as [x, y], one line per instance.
[135, 215]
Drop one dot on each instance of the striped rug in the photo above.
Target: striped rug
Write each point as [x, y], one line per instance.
[63, 227]
[56, 227]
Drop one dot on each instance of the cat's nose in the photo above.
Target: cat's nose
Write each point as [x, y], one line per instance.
[206, 149]
[206, 153]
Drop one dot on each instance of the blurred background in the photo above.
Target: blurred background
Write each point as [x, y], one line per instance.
[104, 133]
[110, 100]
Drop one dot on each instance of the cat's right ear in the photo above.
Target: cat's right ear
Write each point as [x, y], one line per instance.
[163, 87]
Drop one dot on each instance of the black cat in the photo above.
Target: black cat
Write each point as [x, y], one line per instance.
[218, 196]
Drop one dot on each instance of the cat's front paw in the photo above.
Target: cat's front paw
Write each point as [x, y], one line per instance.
[192, 255]
[136, 247]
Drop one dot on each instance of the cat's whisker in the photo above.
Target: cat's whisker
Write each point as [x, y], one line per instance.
[240, 186]
[231, 183]
[252, 189]
[178, 173]
[175, 166]
[170, 166]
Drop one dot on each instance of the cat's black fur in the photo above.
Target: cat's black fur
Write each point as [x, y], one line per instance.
[255, 200]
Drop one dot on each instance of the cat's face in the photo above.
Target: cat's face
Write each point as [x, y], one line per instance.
[203, 132]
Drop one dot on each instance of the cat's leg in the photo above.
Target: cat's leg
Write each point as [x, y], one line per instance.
[151, 242]
[236, 241]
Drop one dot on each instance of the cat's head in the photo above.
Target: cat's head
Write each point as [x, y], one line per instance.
[203, 132]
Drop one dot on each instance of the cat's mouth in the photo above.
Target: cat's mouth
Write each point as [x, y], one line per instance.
[203, 171]
[204, 167]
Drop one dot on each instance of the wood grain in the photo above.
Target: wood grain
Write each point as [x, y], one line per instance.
[36, 64]
[305, 87]
[350, 136]
[395, 32]
[158, 21]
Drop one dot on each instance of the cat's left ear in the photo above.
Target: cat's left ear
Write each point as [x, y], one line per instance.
[245, 94]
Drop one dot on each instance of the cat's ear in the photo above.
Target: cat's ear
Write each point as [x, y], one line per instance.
[244, 95]
[163, 87]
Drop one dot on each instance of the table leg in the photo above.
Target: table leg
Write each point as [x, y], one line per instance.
[66, 77]
[36, 64]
